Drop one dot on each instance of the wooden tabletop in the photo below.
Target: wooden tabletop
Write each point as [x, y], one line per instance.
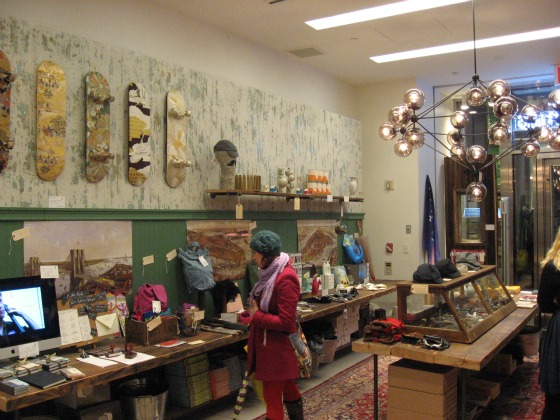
[211, 341]
[474, 356]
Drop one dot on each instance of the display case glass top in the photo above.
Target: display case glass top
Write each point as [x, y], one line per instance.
[459, 310]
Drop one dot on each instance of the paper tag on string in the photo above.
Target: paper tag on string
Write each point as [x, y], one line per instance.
[420, 289]
[21, 234]
[148, 259]
[156, 322]
[346, 199]
[171, 255]
[239, 211]
[202, 260]
[296, 204]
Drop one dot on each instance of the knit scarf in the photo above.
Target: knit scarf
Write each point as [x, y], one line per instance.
[267, 279]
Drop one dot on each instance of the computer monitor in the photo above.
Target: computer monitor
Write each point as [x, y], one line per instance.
[28, 314]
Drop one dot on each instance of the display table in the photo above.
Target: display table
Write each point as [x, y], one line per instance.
[211, 341]
[474, 356]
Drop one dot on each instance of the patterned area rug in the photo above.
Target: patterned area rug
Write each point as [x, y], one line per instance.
[349, 394]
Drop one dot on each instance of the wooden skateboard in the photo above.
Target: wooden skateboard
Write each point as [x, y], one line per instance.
[6, 79]
[139, 153]
[177, 163]
[98, 99]
[51, 120]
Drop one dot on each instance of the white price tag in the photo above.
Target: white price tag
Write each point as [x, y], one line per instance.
[171, 255]
[203, 260]
[49, 271]
[346, 199]
[329, 198]
[156, 322]
[324, 292]
[420, 289]
[156, 306]
[21, 234]
[296, 204]
[148, 259]
[198, 315]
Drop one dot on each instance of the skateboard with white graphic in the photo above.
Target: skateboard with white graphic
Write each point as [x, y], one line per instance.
[98, 137]
[139, 151]
[6, 80]
[177, 163]
[51, 120]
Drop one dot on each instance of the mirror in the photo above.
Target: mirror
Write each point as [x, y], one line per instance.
[468, 219]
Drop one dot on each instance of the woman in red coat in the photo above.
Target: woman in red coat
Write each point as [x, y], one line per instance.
[274, 306]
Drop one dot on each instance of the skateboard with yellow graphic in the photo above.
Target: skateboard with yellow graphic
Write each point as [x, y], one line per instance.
[139, 153]
[6, 80]
[51, 120]
[177, 163]
[98, 134]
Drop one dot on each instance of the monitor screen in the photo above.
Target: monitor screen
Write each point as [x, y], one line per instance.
[28, 314]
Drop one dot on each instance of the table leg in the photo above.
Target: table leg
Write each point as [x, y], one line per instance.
[375, 389]
[463, 414]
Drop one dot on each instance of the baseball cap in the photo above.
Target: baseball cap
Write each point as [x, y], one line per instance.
[427, 273]
[447, 269]
[469, 259]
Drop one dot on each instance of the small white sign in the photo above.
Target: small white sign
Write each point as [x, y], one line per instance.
[156, 306]
[420, 289]
[346, 199]
[329, 198]
[21, 234]
[28, 350]
[57, 202]
[148, 259]
[49, 271]
[171, 255]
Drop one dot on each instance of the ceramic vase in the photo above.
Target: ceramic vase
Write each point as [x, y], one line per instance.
[353, 186]
[282, 181]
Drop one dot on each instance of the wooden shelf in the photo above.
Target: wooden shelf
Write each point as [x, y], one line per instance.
[287, 196]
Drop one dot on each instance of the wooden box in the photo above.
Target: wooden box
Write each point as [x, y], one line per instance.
[459, 310]
[148, 334]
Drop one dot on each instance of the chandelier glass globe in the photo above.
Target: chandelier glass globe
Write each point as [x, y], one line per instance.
[475, 96]
[458, 151]
[414, 99]
[529, 114]
[387, 131]
[505, 107]
[499, 133]
[554, 141]
[477, 191]
[402, 148]
[531, 149]
[414, 137]
[454, 137]
[399, 116]
[498, 88]
[459, 119]
[554, 99]
[543, 134]
[476, 154]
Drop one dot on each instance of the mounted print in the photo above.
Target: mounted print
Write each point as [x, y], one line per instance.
[317, 241]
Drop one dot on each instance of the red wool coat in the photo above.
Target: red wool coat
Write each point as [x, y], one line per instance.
[275, 359]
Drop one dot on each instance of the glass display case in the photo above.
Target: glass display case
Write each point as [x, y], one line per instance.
[459, 310]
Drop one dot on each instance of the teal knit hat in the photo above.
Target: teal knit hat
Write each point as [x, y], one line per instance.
[267, 243]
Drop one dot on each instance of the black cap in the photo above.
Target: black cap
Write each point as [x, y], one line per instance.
[447, 269]
[427, 273]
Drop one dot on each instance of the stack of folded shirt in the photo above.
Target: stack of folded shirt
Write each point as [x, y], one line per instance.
[386, 331]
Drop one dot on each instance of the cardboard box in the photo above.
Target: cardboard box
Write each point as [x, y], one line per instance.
[139, 332]
[439, 405]
[395, 413]
[86, 395]
[425, 377]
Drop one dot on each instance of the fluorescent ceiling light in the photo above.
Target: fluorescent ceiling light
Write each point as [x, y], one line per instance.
[466, 46]
[380, 12]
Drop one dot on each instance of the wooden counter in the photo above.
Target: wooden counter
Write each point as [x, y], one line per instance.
[474, 356]
[212, 341]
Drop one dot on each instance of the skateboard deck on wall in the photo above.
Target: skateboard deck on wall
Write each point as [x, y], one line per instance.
[51, 120]
[6, 79]
[177, 163]
[98, 99]
[139, 151]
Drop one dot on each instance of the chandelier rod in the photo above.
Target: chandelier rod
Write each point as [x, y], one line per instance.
[506, 152]
[430, 109]
[474, 39]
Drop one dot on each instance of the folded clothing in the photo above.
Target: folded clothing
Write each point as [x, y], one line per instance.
[384, 330]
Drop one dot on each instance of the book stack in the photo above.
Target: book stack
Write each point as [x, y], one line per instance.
[6, 374]
[28, 368]
[54, 363]
[43, 379]
[231, 361]
[189, 383]
[219, 382]
[14, 386]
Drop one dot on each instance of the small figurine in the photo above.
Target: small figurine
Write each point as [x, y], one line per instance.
[226, 155]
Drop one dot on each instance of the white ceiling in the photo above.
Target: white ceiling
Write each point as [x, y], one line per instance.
[347, 49]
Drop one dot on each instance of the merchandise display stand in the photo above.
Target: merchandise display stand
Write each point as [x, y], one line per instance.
[474, 356]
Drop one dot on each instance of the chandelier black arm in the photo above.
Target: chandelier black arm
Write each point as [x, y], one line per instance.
[508, 151]
[434, 106]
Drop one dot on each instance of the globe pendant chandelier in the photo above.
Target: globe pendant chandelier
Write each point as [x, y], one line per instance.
[406, 120]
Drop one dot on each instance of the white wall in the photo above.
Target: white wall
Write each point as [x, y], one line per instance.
[165, 34]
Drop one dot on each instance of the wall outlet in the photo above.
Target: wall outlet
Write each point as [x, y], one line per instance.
[408, 229]
[388, 268]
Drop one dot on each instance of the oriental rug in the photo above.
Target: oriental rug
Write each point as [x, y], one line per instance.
[349, 394]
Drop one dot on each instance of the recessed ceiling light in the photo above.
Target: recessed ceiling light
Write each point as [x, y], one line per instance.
[380, 12]
[466, 46]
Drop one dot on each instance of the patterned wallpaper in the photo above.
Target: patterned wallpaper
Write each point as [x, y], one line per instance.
[269, 131]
